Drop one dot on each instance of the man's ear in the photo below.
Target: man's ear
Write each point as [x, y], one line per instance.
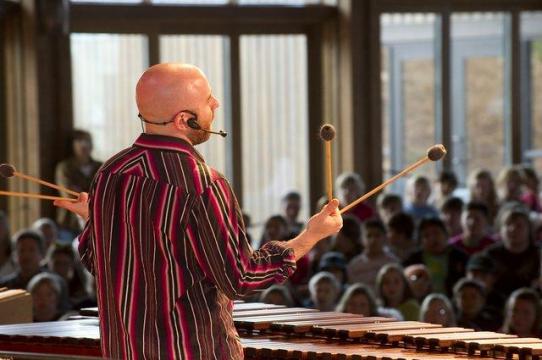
[180, 121]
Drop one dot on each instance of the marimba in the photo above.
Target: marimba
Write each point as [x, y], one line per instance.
[274, 332]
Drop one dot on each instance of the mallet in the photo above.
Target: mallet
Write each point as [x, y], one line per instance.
[434, 153]
[8, 170]
[327, 133]
[35, 196]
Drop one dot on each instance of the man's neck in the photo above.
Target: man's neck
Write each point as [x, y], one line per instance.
[152, 131]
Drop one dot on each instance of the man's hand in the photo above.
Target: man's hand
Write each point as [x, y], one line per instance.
[79, 207]
[327, 222]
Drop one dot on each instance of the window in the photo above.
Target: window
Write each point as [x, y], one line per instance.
[478, 80]
[105, 70]
[408, 91]
[531, 77]
[274, 122]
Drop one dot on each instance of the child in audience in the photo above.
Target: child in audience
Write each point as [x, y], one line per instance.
[393, 290]
[482, 189]
[7, 265]
[335, 263]
[522, 314]
[470, 299]
[348, 240]
[482, 268]
[474, 222]
[531, 191]
[450, 213]
[418, 193]
[437, 309]
[275, 228]
[277, 295]
[509, 184]
[359, 299]
[62, 263]
[46, 297]
[364, 267]
[388, 204]
[419, 280]
[325, 290]
[291, 205]
[350, 187]
[446, 185]
[49, 231]
[445, 263]
[401, 241]
[516, 258]
[29, 253]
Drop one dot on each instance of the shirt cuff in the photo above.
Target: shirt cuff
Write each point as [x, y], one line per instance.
[285, 255]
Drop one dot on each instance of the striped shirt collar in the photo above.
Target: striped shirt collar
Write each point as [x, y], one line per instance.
[170, 143]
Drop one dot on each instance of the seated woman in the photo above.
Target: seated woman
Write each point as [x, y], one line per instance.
[46, 296]
[359, 299]
[324, 290]
[437, 309]
[277, 295]
[394, 292]
[522, 314]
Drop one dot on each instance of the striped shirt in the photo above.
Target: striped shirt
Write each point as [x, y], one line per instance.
[167, 245]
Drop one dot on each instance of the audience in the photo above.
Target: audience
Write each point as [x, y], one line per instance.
[29, 252]
[387, 205]
[49, 231]
[62, 263]
[348, 240]
[453, 253]
[531, 192]
[418, 192]
[275, 228]
[350, 187]
[482, 190]
[437, 309]
[509, 184]
[474, 222]
[360, 299]
[364, 267]
[445, 263]
[516, 258]
[7, 265]
[277, 295]
[445, 185]
[419, 280]
[334, 263]
[392, 288]
[291, 205]
[401, 236]
[46, 295]
[522, 314]
[324, 291]
[470, 299]
[482, 268]
[76, 173]
[450, 212]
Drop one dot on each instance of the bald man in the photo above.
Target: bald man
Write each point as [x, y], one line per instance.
[164, 235]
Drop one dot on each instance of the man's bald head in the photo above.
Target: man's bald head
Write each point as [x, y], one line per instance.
[165, 89]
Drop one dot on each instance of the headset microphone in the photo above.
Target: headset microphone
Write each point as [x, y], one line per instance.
[193, 123]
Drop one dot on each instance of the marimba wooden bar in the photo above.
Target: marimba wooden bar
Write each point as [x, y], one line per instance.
[488, 345]
[275, 332]
[356, 331]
